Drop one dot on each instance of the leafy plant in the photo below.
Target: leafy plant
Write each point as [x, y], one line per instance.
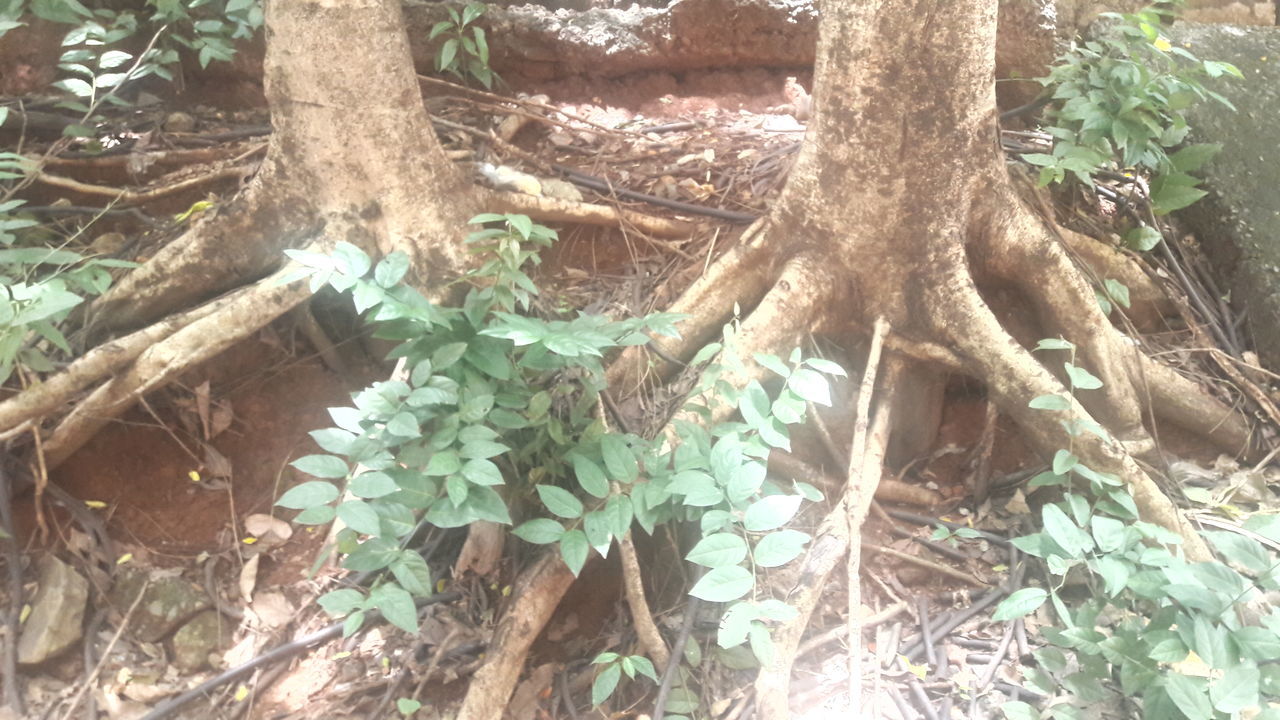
[1153, 630]
[1119, 100]
[494, 399]
[614, 666]
[465, 51]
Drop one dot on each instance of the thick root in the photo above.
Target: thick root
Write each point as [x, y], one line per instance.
[534, 597]
[742, 275]
[1013, 377]
[198, 341]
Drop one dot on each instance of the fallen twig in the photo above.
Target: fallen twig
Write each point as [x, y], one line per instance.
[927, 564]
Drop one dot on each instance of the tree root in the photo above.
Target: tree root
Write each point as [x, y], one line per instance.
[42, 399]
[535, 596]
[633, 582]
[548, 209]
[240, 317]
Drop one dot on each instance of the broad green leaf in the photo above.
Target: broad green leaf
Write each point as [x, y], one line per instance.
[1189, 695]
[1081, 379]
[723, 584]
[573, 548]
[334, 440]
[340, 602]
[779, 548]
[771, 512]
[372, 485]
[396, 605]
[1020, 604]
[1063, 461]
[718, 550]
[309, 495]
[590, 476]
[322, 466]
[1050, 402]
[539, 531]
[360, 516]
[811, 386]
[618, 458]
[412, 573]
[1237, 689]
[1018, 710]
[559, 501]
[605, 683]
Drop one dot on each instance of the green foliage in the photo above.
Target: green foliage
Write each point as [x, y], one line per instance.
[465, 51]
[498, 414]
[615, 666]
[1166, 634]
[95, 63]
[1119, 100]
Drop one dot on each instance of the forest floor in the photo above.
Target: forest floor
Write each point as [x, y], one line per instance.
[185, 484]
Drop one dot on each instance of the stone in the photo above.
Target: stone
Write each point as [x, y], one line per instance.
[167, 601]
[179, 122]
[197, 639]
[56, 621]
[1238, 223]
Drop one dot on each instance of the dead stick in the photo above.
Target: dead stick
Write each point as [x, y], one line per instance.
[927, 564]
[861, 489]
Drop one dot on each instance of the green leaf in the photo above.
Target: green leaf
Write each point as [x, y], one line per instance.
[318, 515]
[573, 548]
[1081, 379]
[309, 495]
[723, 584]
[322, 466]
[391, 269]
[334, 440]
[1143, 238]
[1050, 402]
[340, 602]
[771, 512]
[1172, 197]
[396, 606]
[1020, 604]
[718, 550]
[1063, 531]
[404, 425]
[481, 449]
[445, 356]
[618, 458]
[779, 548]
[372, 485]
[1192, 157]
[1237, 689]
[1189, 695]
[407, 706]
[811, 386]
[1018, 710]
[1054, 344]
[1063, 461]
[539, 531]
[590, 476]
[482, 472]
[412, 573]
[605, 683]
[360, 516]
[771, 363]
[761, 644]
[559, 501]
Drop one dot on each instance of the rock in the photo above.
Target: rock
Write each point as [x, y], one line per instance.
[1238, 223]
[57, 612]
[166, 603]
[179, 122]
[193, 642]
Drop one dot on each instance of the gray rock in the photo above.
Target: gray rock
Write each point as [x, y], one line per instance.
[1239, 222]
[193, 642]
[57, 612]
[166, 603]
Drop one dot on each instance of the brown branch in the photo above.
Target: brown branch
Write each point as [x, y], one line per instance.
[633, 583]
[926, 564]
[125, 195]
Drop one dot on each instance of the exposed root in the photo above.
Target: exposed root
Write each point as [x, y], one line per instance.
[223, 250]
[198, 341]
[832, 539]
[633, 582]
[866, 464]
[742, 275]
[535, 596]
[42, 399]
[1013, 376]
[548, 209]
